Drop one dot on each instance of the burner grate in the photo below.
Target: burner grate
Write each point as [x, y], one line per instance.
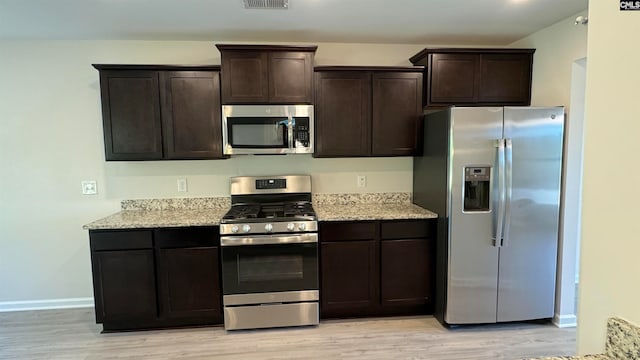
[298, 209]
[243, 211]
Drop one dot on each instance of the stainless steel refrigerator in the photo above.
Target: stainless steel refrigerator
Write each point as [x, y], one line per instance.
[493, 175]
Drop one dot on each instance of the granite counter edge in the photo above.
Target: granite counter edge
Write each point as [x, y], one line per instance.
[148, 219]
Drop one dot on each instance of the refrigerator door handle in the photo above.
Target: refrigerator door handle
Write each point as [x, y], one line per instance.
[499, 215]
[508, 186]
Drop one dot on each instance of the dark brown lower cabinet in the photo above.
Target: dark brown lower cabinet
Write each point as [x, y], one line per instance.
[189, 274]
[158, 278]
[349, 271]
[406, 271]
[189, 285]
[377, 268]
[124, 286]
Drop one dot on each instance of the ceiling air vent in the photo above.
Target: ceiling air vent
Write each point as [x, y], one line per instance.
[266, 4]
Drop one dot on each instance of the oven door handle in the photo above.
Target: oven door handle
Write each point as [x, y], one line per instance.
[268, 239]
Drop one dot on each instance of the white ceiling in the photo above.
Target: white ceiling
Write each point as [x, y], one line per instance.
[472, 22]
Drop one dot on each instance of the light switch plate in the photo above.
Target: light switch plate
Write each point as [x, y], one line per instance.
[362, 181]
[89, 187]
[182, 185]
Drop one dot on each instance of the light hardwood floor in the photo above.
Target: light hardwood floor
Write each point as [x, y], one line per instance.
[73, 334]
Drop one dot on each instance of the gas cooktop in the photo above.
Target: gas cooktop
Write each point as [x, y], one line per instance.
[270, 205]
[271, 212]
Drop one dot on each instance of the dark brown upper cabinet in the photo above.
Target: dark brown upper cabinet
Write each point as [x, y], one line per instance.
[191, 114]
[267, 74]
[367, 111]
[343, 113]
[476, 77]
[131, 114]
[396, 113]
[156, 112]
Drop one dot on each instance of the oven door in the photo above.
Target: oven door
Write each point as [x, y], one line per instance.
[269, 263]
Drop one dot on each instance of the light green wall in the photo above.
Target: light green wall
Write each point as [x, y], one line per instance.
[51, 140]
[558, 50]
[610, 246]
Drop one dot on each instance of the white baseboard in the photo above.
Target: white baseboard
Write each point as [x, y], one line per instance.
[6, 306]
[564, 321]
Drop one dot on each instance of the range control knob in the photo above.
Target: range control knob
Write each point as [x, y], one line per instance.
[235, 229]
[302, 226]
[246, 228]
[291, 227]
[268, 227]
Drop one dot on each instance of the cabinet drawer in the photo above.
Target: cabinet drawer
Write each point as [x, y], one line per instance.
[406, 229]
[121, 240]
[187, 237]
[359, 230]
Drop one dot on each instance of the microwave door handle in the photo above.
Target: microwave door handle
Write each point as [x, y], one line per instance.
[290, 127]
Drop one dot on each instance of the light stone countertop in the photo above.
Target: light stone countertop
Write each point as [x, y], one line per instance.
[139, 219]
[372, 211]
[158, 213]
[622, 343]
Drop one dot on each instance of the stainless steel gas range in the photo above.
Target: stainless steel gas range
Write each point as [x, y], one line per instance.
[269, 241]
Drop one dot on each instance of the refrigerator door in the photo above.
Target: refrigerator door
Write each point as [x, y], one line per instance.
[473, 258]
[526, 288]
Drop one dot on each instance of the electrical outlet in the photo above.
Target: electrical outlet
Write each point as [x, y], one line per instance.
[362, 181]
[89, 187]
[182, 185]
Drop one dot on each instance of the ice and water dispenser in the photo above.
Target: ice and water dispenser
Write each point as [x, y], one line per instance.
[476, 188]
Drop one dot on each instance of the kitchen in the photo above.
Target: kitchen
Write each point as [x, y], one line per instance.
[118, 181]
[273, 246]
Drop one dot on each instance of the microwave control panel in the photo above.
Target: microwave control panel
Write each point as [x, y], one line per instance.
[301, 131]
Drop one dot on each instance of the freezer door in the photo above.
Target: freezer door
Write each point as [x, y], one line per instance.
[472, 259]
[526, 288]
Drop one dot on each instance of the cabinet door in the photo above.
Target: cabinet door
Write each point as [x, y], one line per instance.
[191, 114]
[349, 273]
[397, 111]
[506, 78]
[124, 286]
[131, 115]
[189, 283]
[244, 77]
[290, 77]
[343, 113]
[454, 78]
[406, 272]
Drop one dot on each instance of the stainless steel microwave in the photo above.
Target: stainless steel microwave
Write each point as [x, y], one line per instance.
[267, 129]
